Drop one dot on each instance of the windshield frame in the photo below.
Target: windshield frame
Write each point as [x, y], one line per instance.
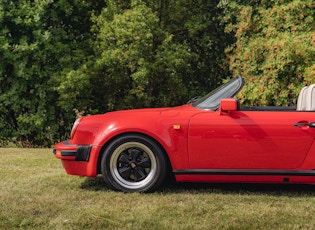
[211, 101]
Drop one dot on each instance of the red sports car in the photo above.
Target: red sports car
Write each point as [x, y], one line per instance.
[210, 139]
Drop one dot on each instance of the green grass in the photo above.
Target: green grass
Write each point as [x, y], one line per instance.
[36, 193]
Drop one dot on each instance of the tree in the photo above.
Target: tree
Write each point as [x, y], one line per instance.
[148, 54]
[38, 40]
[274, 50]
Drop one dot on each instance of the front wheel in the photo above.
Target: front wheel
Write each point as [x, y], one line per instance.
[133, 163]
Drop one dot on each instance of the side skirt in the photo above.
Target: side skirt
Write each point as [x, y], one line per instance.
[245, 172]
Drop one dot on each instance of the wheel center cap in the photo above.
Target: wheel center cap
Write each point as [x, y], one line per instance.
[133, 165]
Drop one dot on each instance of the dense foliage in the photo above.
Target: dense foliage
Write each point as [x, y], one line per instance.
[38, 40]
[147, 55]
[274, 50]
[65, 58]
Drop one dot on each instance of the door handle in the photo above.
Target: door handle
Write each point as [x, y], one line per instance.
[305, 124]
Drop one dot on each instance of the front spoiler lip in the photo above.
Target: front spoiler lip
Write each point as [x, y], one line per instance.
[66, 151]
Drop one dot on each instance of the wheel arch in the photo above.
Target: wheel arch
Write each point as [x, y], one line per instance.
[102, 151]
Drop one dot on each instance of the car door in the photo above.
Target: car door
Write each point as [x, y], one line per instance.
[249, 139]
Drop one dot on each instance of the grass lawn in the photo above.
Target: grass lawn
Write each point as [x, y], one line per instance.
[36, 193]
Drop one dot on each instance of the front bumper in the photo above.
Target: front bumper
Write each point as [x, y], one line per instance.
[66, 151]
[76, 159]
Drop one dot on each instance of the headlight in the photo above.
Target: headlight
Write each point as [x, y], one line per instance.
[75, 126]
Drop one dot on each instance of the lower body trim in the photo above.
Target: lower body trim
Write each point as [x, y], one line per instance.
[245, 172]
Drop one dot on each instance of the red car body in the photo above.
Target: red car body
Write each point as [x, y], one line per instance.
[211, 139]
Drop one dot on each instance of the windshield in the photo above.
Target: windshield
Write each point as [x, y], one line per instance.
[212, 100]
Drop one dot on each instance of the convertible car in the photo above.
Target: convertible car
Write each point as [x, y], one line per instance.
[209, 139]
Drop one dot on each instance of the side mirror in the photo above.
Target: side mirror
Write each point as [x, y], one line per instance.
[227, 105]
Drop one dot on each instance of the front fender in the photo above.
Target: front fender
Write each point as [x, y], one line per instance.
[168, 129]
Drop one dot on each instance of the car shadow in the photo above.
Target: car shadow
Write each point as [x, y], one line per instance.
[290, 190]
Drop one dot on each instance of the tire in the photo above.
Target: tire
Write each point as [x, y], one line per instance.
[134, 163]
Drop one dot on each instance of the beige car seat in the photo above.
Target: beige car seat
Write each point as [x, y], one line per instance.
[301, 102]
[310, 98]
